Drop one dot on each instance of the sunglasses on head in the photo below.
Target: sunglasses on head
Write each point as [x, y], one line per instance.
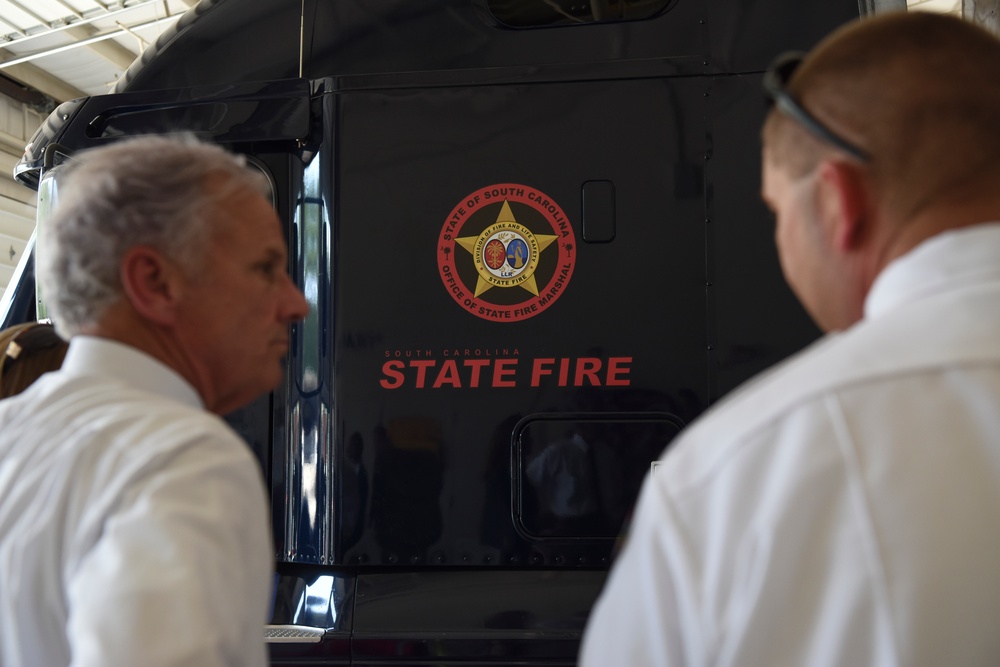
[776, 80]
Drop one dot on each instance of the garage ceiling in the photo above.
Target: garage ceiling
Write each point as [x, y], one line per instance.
[70, 48]
[52, 51]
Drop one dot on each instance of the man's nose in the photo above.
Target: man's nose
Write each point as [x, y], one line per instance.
[295, 305]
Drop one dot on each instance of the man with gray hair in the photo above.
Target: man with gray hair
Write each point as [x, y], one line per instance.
[133, 520]
[844, 508]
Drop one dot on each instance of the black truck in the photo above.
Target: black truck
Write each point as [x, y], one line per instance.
[532, 240]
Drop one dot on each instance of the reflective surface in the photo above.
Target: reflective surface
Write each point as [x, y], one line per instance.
[307, 453]
[426, 394]
[573, 472]
[258, 40]
[18, 302]
[311, 598]
[466, 618]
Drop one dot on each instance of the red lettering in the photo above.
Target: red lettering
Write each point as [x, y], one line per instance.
[575, 372]
[476, 365]
[448, 375]
[394, 378]
[563, 371]
[587, 367]
[618, 366]
[421, 367]
[501, 371]
[537, 371]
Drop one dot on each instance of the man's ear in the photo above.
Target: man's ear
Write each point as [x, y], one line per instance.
[844, 203]
[152, 284]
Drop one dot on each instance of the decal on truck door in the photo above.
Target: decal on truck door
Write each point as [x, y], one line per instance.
[506, 252]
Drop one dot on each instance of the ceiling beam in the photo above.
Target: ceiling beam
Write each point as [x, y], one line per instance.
[17, 192]
[110, 13]
[89, 41]
[18, 92]
[112, 51]
[984, 12]
[37, 78]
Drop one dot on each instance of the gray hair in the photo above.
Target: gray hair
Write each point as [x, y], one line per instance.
[150, 190]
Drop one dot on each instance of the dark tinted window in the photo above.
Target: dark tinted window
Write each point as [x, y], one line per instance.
[578, 478]
[537, 13]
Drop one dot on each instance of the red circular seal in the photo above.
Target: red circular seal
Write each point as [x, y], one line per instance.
[506, 252]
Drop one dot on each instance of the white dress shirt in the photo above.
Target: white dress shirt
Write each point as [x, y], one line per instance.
[133, 524]
[841, 509]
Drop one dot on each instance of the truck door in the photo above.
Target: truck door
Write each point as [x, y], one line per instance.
[482, 421]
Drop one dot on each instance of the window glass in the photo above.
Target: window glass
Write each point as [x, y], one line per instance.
[532, 13]
[255, 165]
[939, 6]
[577, 478]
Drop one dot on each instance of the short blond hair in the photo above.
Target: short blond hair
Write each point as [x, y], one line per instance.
[919, 92]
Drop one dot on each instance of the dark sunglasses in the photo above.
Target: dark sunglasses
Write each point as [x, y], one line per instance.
[776, 80]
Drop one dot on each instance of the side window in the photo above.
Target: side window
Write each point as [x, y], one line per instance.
[48, 188]
[982, 12]
[569, 12]
[939, 6]
[254, 165]
[576, 477]
[869, 7]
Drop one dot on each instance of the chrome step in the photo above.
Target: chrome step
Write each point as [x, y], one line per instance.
[293, 634]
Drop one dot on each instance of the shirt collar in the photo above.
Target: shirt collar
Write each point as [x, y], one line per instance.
[89, 355]
[944, 262]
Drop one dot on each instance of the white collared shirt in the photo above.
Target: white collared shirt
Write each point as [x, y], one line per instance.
[841, 509]
[133, 524]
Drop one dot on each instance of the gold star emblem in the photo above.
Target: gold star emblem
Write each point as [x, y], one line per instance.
[506, 253]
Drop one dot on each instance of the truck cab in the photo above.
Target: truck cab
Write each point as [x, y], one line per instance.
[534, 248]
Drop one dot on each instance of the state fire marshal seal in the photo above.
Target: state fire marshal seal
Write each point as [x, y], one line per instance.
[506, 252]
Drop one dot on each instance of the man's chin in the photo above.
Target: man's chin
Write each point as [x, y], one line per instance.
[247, 395]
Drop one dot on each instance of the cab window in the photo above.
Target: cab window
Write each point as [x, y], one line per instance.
[568, 12]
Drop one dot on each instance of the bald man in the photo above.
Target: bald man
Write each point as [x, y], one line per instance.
[844, 508]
